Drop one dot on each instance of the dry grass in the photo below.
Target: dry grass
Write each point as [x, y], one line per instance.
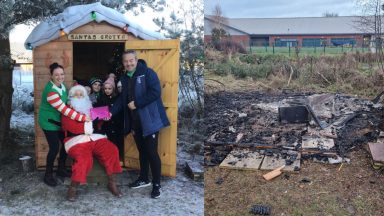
[355, 74]
[354, 190]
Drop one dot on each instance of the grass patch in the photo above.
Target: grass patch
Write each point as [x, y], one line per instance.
[356, 73]
[312, 51]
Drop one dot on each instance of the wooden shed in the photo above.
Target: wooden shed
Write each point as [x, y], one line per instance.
[85, 49]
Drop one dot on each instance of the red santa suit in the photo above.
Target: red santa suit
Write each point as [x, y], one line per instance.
[82, 144]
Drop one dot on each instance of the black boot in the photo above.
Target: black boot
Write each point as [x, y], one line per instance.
[71, 194]
[62, 171]
[48, 177]
[113, 187]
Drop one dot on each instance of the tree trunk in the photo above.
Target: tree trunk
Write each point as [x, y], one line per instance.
[6, 91]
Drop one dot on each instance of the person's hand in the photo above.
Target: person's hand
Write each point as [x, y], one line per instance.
[108, 118]
[131, 105]
[88, 118]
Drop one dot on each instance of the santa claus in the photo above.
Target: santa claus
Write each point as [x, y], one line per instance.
[82, 144]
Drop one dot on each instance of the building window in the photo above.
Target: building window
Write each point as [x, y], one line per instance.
[285, 42]
[259, 41]
[314, 42]
[343, 41]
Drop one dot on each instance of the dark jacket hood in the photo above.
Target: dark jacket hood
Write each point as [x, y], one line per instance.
[140, 68]
[143, 62]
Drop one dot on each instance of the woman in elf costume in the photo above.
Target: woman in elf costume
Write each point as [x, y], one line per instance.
[52, 105]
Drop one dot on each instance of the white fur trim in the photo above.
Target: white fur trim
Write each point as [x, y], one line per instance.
[74, 89]
[88, 128]
[77, 88]
[83, 138]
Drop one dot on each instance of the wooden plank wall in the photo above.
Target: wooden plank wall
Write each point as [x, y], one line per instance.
[43, 56]
[163, 57]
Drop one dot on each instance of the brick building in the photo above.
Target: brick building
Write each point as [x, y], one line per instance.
[298, 31]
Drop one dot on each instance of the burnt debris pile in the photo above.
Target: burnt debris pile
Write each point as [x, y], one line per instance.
[324, 127]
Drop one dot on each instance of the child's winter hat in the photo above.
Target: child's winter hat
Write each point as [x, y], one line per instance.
[110, 81]
[95, 79]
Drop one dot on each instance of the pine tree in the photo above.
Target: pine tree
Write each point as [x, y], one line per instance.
[187, 24]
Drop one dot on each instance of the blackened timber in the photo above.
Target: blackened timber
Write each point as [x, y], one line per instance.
[241, 145]
[313, 114]
[345, 120]
[318, 152]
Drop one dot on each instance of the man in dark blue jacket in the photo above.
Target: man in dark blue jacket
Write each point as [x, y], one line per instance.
[144, 116]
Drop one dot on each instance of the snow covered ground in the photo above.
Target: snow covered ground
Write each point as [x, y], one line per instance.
[22, 121]
[26, 194]
[22, 100]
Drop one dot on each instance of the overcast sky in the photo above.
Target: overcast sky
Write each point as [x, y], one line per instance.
[281, 8]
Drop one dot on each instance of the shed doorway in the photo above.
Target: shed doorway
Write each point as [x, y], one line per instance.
[95, 59]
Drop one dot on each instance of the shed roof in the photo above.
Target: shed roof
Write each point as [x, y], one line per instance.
[76, 16]
[298, 25]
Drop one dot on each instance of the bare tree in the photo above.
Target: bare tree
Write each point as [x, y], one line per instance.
[371, 22]
[218, 17]
[187, 24]
[219, 20]
[330, 14]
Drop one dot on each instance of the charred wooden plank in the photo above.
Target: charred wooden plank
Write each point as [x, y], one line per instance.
[240, 145]
[313, 114]
[319, 152]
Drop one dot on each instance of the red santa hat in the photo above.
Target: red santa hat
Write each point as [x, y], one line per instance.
[110, 81]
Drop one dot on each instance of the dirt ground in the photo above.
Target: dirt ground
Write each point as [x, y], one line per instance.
[26, 194]
[354, 188]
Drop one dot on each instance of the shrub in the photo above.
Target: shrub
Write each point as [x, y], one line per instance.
[262, 71]
[218, 34]
[250, 59]
[213, 55]
[239, 70]
[229, 46]
[273, 58]
[222, 69]
[210, 65]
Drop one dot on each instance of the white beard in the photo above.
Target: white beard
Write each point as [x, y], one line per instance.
[82, 105]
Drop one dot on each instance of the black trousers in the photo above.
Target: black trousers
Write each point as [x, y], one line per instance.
[148, 155]
[118, 140]
[55, 139]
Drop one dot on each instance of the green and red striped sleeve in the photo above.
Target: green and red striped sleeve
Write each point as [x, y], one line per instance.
[55, 101]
